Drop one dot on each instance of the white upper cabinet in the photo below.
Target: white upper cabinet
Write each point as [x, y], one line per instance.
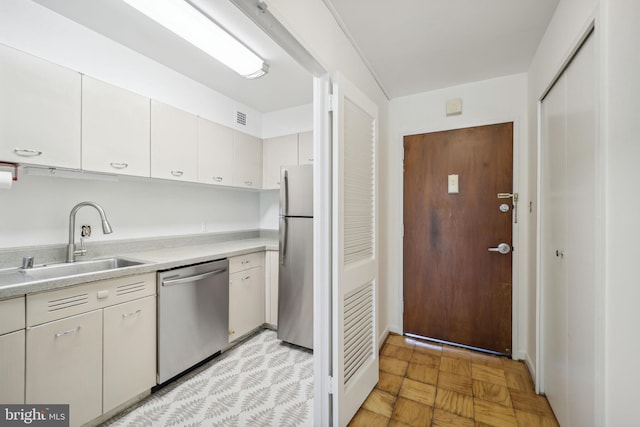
[39, 111]
[278, 151]
[248, 161]
[305, 148]
[215, 153]
[115, 129]
[174, 143]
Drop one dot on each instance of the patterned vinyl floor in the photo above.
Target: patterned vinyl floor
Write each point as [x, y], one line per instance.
[262, 382]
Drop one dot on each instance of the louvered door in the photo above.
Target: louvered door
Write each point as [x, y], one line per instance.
[355, 264]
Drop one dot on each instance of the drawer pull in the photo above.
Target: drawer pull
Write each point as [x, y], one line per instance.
[249, 182]
[218, 178]
[246, 278]
[70, 331]
[245, 262]
[27, 152]
[177, 173]
[117, 165]
[133, 313]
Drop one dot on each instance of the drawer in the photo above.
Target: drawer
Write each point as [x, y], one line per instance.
[244, 262]
[53, 305]
[12, 315]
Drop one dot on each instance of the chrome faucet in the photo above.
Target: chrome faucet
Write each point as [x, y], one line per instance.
[71, 247]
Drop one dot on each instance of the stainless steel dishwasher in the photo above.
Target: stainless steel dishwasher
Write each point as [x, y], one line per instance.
[193, 316]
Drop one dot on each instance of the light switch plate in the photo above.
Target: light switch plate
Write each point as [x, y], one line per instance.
[454, 106]
[453, 184]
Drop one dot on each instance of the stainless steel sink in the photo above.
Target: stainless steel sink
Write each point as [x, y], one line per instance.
[67, 269]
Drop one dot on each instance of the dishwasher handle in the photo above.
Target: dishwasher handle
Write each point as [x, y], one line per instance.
[192, 279]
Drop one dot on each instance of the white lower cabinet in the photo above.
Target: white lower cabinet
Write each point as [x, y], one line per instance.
[246, 294]
[64, 365]
[272, 264]
[12, 343]
[12, 367]
[129, 365]
[92, 346]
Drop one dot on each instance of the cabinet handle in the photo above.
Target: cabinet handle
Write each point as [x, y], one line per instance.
[249, 182]
[177, 173]
[311, 159]
[70, 331]
[218, 178]
[133, 313]
[26, 152]
[117, 165]
[246, 278]
[245, 262]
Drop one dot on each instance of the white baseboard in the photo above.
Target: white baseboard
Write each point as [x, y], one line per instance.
[382, 337]
[531, 367]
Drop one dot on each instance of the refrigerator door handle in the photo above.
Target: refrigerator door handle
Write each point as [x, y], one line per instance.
[284, 192]
[283, 238]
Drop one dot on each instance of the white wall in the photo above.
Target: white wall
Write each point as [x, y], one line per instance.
[34, 29]
[622, 284]
[269, 204]
[486, 102]
[36, 210]
[288, 121]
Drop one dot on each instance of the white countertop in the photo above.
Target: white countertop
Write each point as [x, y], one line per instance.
[153, 261]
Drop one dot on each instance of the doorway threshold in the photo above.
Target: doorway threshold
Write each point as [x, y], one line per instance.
[455, 344]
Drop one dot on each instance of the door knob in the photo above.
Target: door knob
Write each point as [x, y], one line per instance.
[503, 248]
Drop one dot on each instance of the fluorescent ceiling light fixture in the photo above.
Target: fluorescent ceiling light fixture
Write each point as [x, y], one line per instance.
[181, 18]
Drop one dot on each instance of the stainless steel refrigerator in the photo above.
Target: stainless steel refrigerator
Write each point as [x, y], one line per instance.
[295, 290]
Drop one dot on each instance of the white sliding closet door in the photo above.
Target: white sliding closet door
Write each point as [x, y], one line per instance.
[355, 259]
[568, 227]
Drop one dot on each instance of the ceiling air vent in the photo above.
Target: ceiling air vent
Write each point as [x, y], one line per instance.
[241, 118]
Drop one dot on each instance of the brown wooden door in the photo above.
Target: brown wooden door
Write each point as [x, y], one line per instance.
[455, 289]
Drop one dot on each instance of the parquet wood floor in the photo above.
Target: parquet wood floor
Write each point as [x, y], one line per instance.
[426, 384]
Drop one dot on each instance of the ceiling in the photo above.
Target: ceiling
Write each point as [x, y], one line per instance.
[410, 46]
[414, 46]
[286, 84]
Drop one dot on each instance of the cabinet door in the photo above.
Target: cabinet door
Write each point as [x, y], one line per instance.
[215, 153]
[305, 148]
[246, 302]
[248, 161]
[271, 287]
[64, 365]
[39, 111]
[115, 129]
[174, 143]
[279, 151]
[12, 367]
[129, 351]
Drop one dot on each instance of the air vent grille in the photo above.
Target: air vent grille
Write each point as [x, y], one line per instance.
[67, 302]
[130, 288]
[241, 118]
[358, 330]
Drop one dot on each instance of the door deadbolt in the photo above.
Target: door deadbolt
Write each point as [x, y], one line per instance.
[504, 207]
[502, 248]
